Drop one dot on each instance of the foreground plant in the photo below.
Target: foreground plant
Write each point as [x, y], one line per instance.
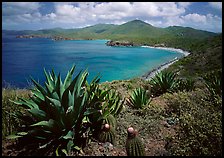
[134, 144]
[55, 114]
[163, 82]
[107, 134]
[105, 105]
[139, 99]
[213, 82]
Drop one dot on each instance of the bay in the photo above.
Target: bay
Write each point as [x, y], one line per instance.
[22, 58]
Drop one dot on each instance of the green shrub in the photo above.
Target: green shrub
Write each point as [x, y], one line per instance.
[139, 98]
[200, 125]
[187, 84]
[163, 82]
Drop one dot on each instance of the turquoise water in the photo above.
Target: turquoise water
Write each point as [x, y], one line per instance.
[22, 58]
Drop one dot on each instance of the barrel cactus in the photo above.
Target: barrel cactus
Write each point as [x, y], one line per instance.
[107, 134]
[111, 121]
[134, 144]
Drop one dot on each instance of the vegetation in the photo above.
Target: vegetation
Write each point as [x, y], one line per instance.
[61, 114]
[163, 82]
[134, 145]
[10, 123]
[139, 99]
[200, 124]
[136, 31]
[205, 56]
[107, 134]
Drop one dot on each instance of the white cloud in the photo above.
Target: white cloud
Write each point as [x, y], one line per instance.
[80, 14]
[196, 18]
[217, 5]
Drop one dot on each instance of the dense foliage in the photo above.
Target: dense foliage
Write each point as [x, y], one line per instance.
[200, 124]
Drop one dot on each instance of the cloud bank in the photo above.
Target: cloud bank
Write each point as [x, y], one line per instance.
[81, 14]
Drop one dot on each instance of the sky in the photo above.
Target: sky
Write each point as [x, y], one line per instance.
[44, 15]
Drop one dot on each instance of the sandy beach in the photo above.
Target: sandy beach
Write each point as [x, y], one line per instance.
[153, 72]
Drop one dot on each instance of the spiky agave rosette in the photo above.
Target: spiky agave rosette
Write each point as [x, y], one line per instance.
[134, 144]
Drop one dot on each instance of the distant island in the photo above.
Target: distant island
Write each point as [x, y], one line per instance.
[132, 33]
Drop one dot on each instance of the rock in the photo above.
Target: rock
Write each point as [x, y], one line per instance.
[119, 43]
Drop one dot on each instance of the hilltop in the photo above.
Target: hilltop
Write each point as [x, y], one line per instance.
[135, 31]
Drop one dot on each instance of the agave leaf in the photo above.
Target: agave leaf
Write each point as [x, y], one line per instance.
[53, 76]
[71, 89]
[57, 87]
[56, 151]
[49, 88]
[68, 78]
[22, 133]
[34, 105]
[49, 79]
[69, 135]
[65, 152]
[22, 103]
[38, 114]
[69, 145]
[39, 87]
[38, 94]
[13, 136]
[90, 111]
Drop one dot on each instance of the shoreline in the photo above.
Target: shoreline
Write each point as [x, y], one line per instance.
[148, 75]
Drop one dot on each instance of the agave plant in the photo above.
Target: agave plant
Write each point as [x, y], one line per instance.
[56, 112]
[163, 82]
[139, 98]
[213, 82]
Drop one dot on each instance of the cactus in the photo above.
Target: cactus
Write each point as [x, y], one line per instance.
[107, 134]
[111, 121]
[134, 145]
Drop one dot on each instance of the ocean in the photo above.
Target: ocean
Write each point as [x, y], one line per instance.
[22, 58]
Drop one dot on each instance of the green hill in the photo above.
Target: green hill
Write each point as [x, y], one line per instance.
[205, 56]
[135, 31]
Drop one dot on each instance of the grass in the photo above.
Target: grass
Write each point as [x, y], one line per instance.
[9, 122]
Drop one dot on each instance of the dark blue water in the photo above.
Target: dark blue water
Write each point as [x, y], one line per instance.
[22, 58]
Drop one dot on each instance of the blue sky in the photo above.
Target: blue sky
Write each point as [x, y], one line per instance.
[44, 15]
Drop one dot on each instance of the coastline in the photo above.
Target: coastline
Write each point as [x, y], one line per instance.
[152, 73]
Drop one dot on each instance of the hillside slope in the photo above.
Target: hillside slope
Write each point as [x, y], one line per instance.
[205, 56]
[135, 31]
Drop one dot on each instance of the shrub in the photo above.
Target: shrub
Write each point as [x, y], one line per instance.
[187, 84]
[200, 125]
[139, 98]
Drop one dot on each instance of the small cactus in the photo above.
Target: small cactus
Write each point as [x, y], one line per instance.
[107, 134]
[134, 145]
[111, 121]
